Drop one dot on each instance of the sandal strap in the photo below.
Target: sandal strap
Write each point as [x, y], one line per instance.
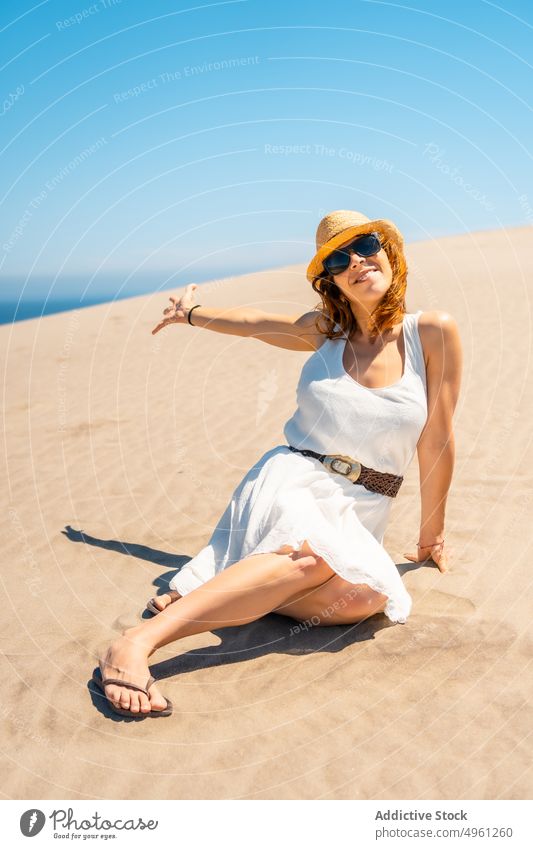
[122, 683]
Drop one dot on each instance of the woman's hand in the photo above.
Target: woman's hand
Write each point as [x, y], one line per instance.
[436, 552]
[178, 312]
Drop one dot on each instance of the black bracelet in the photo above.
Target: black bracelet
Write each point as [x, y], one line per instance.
[189, 314]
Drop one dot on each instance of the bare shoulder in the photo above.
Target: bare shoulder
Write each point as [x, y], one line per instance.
[306, 328]
[439, 334]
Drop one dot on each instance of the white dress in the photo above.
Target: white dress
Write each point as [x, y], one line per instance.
[286, 497]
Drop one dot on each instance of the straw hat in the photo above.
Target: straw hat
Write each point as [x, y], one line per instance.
[337, 227]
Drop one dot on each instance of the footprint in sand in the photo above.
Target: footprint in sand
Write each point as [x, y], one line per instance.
[126, 621]
[438, 603]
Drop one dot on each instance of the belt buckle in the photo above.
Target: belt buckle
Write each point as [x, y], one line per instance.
[343, 465]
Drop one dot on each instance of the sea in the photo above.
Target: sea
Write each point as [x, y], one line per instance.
[21, 300]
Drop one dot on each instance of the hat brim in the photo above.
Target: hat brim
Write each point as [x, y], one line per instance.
[316, 266]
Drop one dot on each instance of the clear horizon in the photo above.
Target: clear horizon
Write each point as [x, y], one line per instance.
[49, 297]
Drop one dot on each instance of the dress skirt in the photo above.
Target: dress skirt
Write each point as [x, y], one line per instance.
[286, 498]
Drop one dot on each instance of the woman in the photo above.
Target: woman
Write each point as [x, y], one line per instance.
[381, 384]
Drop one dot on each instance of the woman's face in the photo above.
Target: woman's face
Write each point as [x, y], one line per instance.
[367, 278]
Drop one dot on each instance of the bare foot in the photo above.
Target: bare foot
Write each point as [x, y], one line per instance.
[162, 601]
[127, 658]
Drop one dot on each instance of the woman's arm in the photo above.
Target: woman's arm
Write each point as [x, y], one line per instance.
[436, 447]
[293, 332]
[436, 471]
[237, 321]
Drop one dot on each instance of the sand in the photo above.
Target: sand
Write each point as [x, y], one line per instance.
[121, 452]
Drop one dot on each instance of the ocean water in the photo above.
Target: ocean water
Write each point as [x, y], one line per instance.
[21, 300]
[11, 311]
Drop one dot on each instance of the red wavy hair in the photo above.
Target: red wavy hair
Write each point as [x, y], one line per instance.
[335, 307]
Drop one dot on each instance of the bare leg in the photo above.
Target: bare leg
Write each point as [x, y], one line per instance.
[239, 594]
[336, 602]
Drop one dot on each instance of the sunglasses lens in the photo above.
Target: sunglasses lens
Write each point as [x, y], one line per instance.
[367, 245]
[339, 260]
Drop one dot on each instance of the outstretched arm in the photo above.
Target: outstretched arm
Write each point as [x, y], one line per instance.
[292, 332]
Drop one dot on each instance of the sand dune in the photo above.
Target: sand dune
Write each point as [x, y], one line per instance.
[121, 451]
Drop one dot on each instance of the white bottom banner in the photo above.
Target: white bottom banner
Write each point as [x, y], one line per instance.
[270, 824]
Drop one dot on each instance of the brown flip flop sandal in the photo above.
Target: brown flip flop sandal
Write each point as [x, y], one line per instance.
[153, 609]
[102, 684]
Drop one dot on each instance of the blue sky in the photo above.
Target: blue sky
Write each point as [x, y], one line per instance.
[183, 141]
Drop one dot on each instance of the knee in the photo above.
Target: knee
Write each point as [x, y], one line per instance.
[364, 603]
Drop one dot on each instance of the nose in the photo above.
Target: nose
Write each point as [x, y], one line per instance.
[356, 260]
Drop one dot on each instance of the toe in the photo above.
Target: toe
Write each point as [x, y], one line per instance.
[144, 703]
[161, 601]
[124, 698]
[112, 693]
[134, 702]
[157, 701]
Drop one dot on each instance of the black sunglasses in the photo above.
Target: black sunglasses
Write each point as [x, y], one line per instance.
[340, 259]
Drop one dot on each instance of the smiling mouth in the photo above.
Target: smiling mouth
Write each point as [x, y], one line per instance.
[364, 276]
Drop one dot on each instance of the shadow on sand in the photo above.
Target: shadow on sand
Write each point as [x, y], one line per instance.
[272, 633]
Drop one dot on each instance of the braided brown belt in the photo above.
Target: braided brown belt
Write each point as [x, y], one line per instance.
[382, 482]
